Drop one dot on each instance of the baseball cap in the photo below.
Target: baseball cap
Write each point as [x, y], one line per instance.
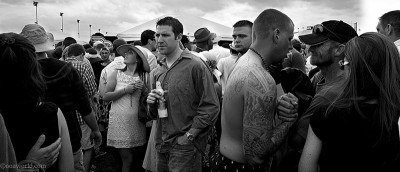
[335, 30]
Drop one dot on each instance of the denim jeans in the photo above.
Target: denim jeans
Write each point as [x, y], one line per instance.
[181, 158]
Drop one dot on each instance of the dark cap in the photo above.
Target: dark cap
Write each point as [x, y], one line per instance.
[338, 31]
[203, 34]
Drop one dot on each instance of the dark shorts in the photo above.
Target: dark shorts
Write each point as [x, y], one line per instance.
[221, 163]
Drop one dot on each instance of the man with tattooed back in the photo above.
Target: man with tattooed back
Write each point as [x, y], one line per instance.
[249, 136]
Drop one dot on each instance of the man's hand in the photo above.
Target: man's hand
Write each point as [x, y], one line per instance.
[153, 96]
[287, 107]
[46, 156]
[96, 135]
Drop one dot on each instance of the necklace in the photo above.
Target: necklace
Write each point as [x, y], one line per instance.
[259, 55]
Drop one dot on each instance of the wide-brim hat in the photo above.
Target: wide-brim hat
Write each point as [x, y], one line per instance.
[40, 39]
[122, 49]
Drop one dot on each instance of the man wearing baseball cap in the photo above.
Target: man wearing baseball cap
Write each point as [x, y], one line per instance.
[326, 46]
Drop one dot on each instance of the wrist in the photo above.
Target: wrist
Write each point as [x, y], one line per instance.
[189, 136]
[124, 91]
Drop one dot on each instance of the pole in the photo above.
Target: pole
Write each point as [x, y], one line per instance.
[62, 22]
[90, 30]
[35, 3]
[78, 27]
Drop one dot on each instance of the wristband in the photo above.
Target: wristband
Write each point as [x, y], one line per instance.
[124, 91]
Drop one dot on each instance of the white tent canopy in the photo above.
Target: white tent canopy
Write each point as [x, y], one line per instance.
[190, 24]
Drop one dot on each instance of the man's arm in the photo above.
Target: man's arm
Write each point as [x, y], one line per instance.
[208, 108]
[260, 138]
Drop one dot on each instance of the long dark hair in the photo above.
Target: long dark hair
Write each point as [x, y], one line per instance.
[374, 74]
[22, 81]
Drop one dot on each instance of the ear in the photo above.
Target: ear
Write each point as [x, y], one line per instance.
[389, 29]
[339, 50]
[178, 37]
[275, 36]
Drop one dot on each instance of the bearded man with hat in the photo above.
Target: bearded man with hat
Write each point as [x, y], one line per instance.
[64, 88]
[326, 46]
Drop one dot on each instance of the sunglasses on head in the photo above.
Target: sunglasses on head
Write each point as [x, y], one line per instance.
[319, 28]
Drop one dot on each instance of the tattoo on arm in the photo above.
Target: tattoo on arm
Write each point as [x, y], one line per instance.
[260, 138]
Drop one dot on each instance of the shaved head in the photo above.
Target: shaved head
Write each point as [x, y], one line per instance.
[268, 21]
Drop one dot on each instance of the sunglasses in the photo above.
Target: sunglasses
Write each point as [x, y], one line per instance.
[319, 28]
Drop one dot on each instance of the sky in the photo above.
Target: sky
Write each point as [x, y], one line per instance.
[115, 16]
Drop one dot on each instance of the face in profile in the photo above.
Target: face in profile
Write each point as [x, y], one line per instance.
[381, 29]
[130, 57]
[284, 43]
[167, 42]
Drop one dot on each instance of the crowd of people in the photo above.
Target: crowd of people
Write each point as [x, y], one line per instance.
[328, 101]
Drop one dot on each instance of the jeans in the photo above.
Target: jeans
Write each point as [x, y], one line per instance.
[181, 158]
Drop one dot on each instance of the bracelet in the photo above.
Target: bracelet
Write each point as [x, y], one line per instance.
[124, 91]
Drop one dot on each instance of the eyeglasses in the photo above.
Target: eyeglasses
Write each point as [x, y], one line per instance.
[319, 28]
[104, 53]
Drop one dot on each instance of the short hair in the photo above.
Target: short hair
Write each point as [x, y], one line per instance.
[177, 27]
[75, 50]
[68, 41]
[86, 46]
[392, 18]
[242, 23]
[185, 39]
[269, 20]
[105, 49]
[138, 42]
[146, 35]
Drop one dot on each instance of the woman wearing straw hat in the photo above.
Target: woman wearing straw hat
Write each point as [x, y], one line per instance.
[124, 88]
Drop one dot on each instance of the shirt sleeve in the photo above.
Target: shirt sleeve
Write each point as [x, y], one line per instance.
[89, 81]
[208, 108]
[318, 122]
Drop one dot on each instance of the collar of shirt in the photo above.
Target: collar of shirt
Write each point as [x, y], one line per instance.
[185, 54]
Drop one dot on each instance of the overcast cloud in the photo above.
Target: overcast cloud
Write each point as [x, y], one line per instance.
[113, 16]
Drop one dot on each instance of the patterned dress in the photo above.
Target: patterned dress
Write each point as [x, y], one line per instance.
[125, 130]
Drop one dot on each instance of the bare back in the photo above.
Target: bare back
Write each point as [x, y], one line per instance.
[248, 108]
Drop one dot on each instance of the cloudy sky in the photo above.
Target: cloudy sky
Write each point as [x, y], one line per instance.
[115, 16]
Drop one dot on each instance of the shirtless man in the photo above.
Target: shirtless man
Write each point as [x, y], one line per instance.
[249, 137]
